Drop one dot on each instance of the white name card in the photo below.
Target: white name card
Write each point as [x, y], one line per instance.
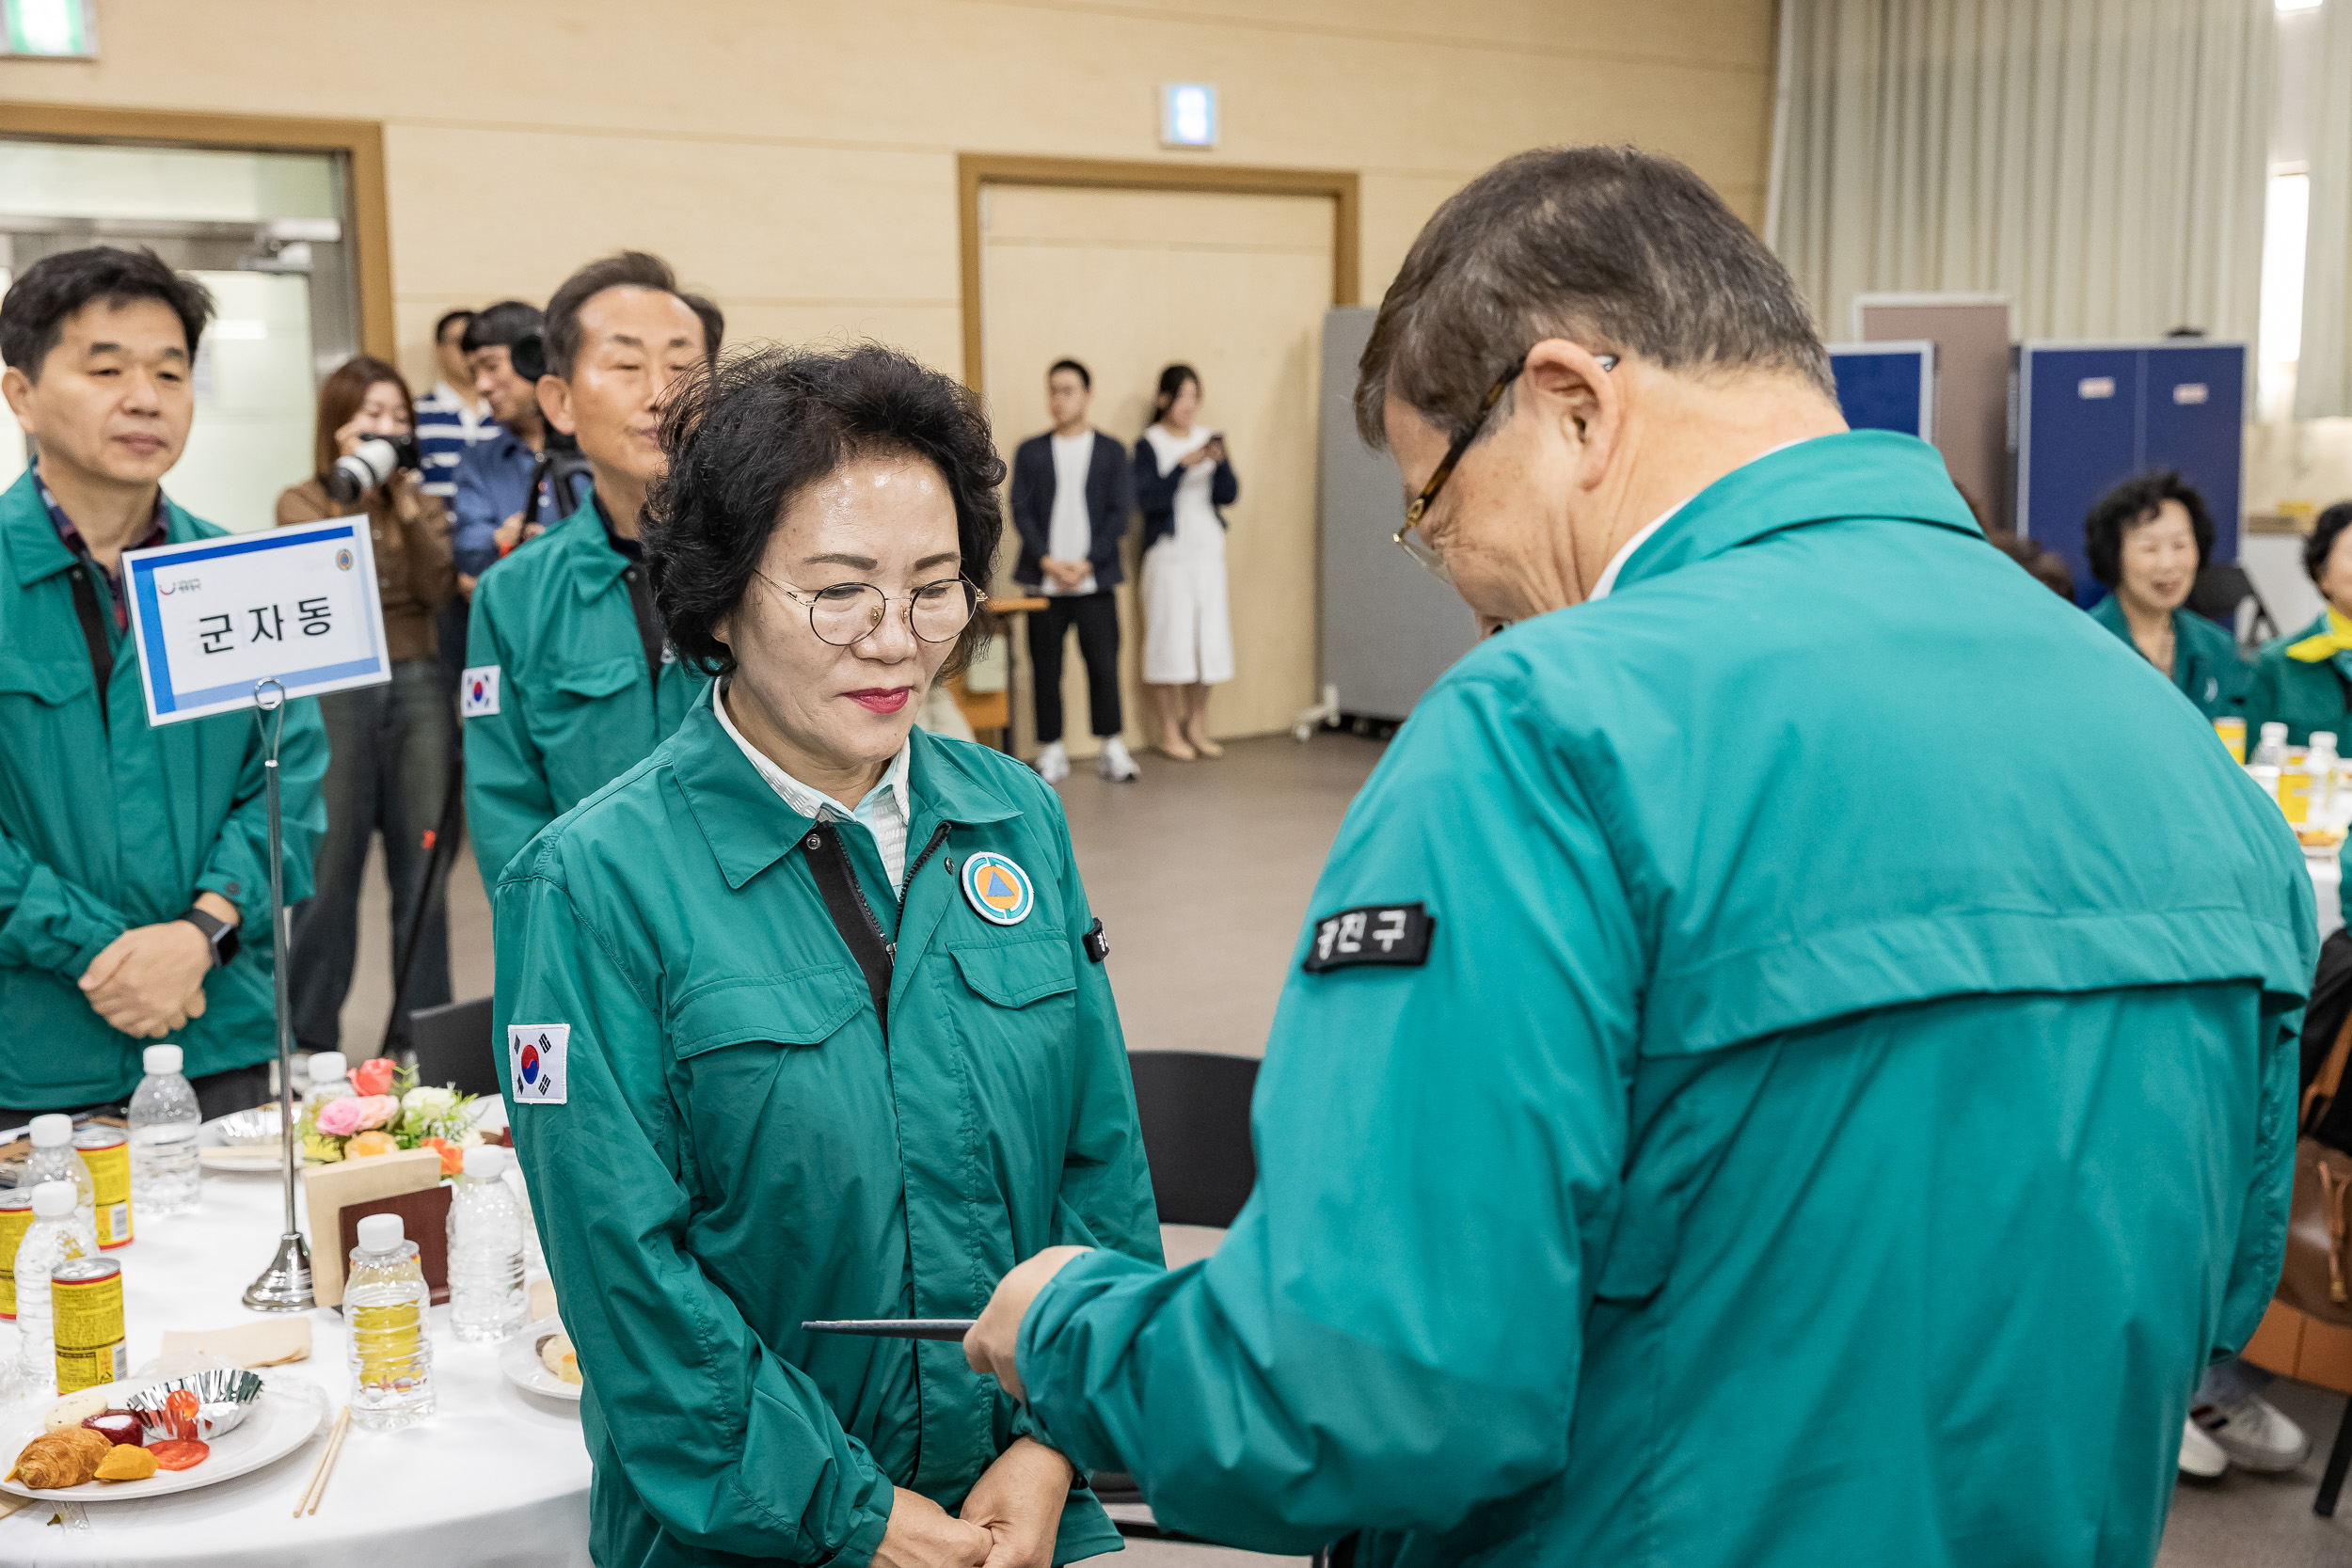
[2095, 386]
[216, 616]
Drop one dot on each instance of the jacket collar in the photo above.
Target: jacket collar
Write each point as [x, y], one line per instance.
[584, 554]
[1863, 473]
[29, 541]
[750, 828]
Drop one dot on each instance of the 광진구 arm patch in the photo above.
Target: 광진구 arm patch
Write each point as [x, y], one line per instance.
[1391, 934]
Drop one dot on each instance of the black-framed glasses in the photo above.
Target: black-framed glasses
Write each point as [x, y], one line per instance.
[847, 613]
[1409, 538]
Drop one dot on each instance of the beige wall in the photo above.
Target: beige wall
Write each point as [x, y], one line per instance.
[796, 158]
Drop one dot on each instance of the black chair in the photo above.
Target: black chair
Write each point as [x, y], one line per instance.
[1193, 1107]
[2222, 594]
[453, 1045]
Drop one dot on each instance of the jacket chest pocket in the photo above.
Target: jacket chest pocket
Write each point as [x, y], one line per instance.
[1018, 1018]
[575, 707]
[766, 1078]
[50, 681]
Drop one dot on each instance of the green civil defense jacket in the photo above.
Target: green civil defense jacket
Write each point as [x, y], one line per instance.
[556, 700]
[2303, 696]
[2205, 664]
[1839, 1113]
[106, 824]
[733, 1148]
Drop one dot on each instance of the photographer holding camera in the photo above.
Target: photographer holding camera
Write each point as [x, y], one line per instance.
[388, 769]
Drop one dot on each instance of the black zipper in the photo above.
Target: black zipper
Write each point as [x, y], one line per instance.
[939, 836]
[857, 890]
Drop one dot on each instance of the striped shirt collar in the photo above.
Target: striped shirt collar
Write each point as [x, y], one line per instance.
[158, 533]
[885, 813]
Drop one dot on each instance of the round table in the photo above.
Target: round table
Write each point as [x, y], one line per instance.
[494, 1476]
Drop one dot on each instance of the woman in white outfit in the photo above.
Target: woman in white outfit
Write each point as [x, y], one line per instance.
[1182, 482]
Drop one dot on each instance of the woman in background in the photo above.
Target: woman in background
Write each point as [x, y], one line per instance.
[2304, 680]
[388, 763]
[2147, 539]
[1183, 480]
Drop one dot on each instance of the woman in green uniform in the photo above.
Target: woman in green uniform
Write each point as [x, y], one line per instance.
[2304, 680]
[2148, 538]
[806, 1015]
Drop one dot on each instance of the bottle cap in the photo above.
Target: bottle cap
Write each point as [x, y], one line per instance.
[53, 1201]
[2276, 727]
[2324, 738]
[52, 1130]
[159, 1060]
[328, 1066]
[486, 1160]
[377, 1232]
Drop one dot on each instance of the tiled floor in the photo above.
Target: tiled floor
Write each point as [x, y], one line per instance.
[1202, 873]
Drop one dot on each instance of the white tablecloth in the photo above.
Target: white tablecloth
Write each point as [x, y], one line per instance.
[2327, 878]
[495, 1476]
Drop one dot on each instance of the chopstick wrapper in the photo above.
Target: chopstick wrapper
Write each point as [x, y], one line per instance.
[269, 1343]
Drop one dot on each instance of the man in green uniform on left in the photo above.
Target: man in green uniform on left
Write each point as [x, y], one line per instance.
[569, 682]
[133, 858]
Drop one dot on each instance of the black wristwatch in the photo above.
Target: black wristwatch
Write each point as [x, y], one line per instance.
[219, 933]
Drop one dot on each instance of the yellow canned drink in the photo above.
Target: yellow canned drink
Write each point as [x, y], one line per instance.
[108, 1154]
[2295, 795]
[85, 1293]
[2233, 734]
[16, 1217]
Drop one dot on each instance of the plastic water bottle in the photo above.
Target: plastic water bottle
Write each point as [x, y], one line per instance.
[54, 1159]
[164, 1135]
[330, 1078]
[59, 1231]
[487, 1302]
[384, 1301]
[534, 1261]
[2270, 750]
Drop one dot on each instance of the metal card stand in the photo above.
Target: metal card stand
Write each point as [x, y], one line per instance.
[285, 1285]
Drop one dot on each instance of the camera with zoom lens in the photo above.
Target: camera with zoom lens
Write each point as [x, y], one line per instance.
[373, 463]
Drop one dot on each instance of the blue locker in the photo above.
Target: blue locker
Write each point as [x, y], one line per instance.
[2087, 417]
[1888, 386]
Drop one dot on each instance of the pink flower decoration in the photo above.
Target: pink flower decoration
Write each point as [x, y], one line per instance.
[340, 1118]
[373, 1076]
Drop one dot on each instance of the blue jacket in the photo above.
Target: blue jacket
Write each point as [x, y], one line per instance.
[494, 484]
[1110, 500]
[1155, 492]
[1821, 1039]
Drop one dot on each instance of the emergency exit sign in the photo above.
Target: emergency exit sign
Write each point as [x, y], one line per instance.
[51, 29]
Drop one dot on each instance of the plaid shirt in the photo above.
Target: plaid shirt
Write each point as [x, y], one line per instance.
[157, 534]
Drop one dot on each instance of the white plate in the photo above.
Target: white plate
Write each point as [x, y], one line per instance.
[284, 1418]
[263, 1157]
[519, 1358]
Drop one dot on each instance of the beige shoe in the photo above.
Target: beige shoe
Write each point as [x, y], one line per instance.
[1172, 745]
[1204, 745]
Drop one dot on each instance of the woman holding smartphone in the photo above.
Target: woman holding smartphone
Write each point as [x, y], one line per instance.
[1183, 480]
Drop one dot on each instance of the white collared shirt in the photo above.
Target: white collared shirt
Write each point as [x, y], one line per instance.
[1625, 552]
[885, 813]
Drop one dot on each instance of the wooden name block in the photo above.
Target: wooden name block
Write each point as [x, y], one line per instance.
[331, 1189]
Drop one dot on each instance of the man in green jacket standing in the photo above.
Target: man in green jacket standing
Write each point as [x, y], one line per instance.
[569, 682]
[1757, 1085]
[132, 860]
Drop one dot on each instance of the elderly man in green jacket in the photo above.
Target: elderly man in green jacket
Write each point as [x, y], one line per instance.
[1756, 1087]
[569, 681]
[132, 860]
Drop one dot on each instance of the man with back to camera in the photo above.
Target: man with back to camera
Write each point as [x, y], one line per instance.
[495, 509]
[1072, 491]
[570, 682]
[1721, 1113]
[131, 857]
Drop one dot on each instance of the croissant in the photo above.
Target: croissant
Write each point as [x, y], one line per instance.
[62, 1459]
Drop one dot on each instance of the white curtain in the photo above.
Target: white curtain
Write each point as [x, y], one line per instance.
[2323, 378]
[2103, 163]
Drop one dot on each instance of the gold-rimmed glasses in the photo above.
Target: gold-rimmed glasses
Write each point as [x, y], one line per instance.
[847, 613]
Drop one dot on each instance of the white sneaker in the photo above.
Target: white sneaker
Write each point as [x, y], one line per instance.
[1053, 764]
[1115, 764]
[2201, 1456]
[2252, 1432]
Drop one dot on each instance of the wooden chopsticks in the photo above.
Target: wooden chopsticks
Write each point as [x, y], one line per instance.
[316, 1492]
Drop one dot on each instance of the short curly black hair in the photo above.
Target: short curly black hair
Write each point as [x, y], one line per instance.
[767, 423]
[2136, 501]
[33, 314]
[2323, 539]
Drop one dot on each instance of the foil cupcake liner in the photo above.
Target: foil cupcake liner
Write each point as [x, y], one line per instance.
[203, 1405]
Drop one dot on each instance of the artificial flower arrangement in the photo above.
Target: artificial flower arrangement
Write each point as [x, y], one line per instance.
[385, 1112]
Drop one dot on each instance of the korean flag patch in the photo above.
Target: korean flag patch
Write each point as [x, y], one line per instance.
[478, 693]
[534, 1062]
[1391, 934]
